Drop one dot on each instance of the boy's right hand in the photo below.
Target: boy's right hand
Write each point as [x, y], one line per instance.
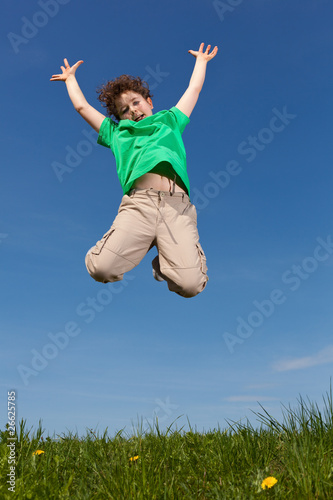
[67, 70]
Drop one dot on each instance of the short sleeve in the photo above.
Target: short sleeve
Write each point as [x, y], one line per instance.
[180, 117]
[105, 132]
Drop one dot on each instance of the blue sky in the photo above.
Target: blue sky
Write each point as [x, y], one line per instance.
[259, 150]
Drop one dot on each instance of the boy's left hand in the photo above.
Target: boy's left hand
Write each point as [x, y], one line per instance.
[200, 54]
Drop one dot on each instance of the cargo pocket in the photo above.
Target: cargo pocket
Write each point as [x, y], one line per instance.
[96, 250]
[203, 259]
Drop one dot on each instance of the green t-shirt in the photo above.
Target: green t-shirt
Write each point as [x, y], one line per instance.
[139, 146]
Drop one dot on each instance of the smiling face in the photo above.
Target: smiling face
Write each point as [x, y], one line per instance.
[133, 106]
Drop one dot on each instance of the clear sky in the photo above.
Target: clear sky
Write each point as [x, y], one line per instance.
[259, 149]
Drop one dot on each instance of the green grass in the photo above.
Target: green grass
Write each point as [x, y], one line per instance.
[174, 464]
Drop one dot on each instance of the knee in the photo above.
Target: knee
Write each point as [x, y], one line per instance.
[98, 269]
[188, 282]
[191, 288]
[94, 267]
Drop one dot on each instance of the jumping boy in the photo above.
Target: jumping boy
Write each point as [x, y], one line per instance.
[151, 166]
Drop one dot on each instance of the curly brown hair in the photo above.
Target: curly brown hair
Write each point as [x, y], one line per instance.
[109, 92]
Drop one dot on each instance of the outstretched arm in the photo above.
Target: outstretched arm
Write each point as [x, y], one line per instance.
[190, 97]
[90, 114]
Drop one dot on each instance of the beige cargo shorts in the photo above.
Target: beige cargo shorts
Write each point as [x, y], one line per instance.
[148, 218]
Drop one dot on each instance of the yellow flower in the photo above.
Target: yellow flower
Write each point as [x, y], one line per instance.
[38, 452]
[268, 482]
[134, 459]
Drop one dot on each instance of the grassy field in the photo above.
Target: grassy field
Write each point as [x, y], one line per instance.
[220, 464]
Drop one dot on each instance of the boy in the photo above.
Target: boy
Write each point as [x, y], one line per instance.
[151, 165]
